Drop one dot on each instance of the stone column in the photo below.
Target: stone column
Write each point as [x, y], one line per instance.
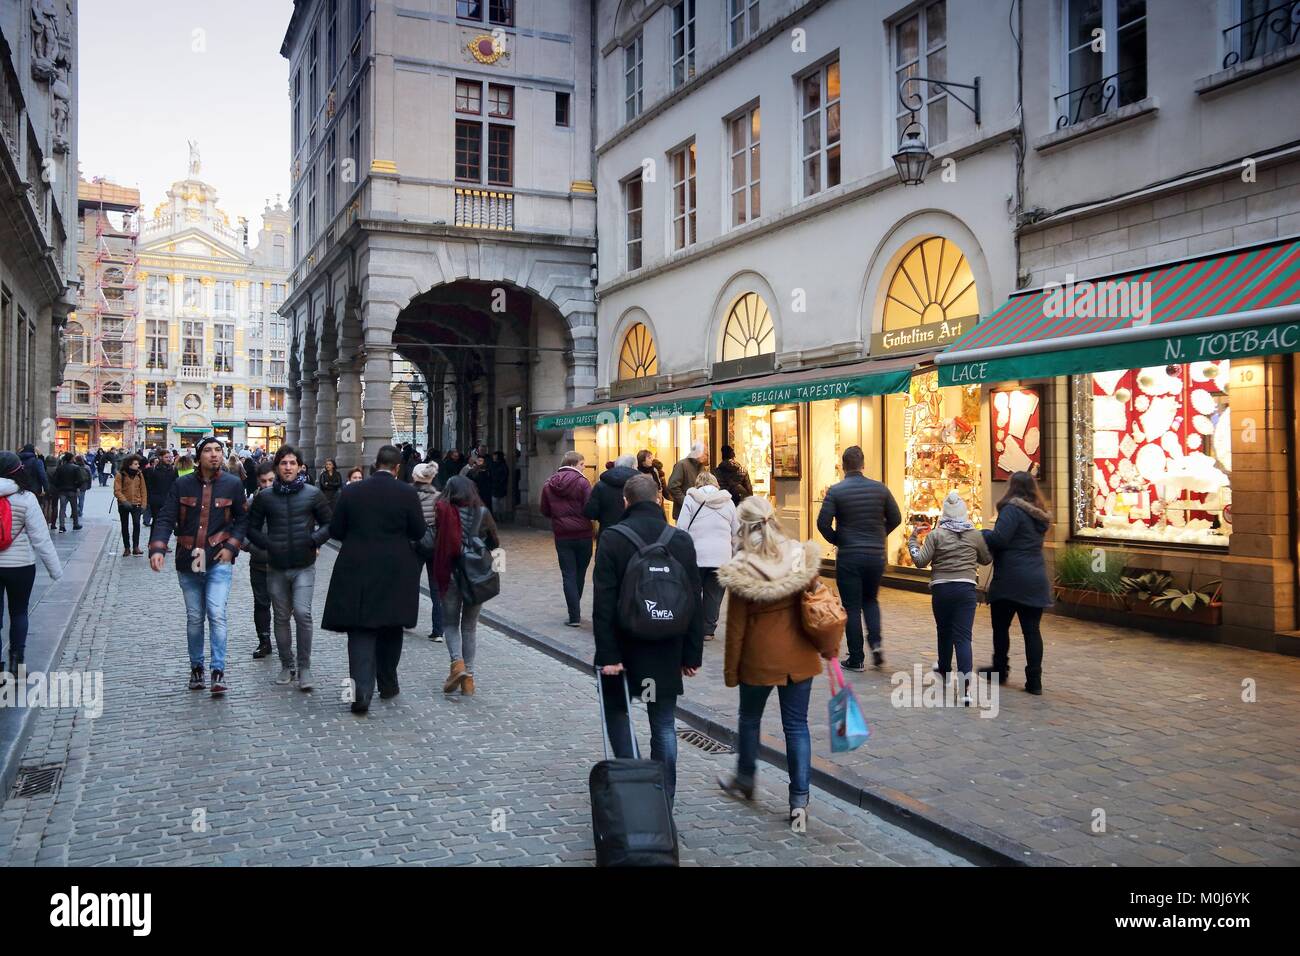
[380, 319]
[1258, 590]
[291, 404]
[348, 447]
[307, 418]
[326, 401]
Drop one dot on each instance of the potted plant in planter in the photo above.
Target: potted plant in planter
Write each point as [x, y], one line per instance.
[1090, 577]
[1153, 594]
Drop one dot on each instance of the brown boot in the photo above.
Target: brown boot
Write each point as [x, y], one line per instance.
[467, 685]
[455, 677]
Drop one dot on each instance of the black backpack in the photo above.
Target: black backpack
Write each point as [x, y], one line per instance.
[655, 599]
[476, 579]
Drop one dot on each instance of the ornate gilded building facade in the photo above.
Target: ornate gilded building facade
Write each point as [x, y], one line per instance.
[211, 345]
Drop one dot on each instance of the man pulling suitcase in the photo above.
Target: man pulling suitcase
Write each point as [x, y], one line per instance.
[647, 623]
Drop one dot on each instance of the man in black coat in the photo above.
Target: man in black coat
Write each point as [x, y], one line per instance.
[859, 513]
[67, 482]
[296, 519]
[606, 502]
[375, 587]
[654, 668]
[159, 480]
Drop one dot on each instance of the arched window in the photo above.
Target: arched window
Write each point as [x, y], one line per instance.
[80, 392]
[637, 357]
[114, 276]
[933, 283]
[78, 344]
[112, 394]
[749, 329]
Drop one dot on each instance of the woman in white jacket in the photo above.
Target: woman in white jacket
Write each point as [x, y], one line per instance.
[709, 517]
[23, 525]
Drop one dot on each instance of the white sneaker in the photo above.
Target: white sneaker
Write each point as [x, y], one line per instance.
[305, 682]
[286, 676]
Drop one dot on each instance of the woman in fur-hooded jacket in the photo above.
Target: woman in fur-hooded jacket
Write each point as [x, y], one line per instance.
[766, 643]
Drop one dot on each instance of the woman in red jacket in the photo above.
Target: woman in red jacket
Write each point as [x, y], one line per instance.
[564, 496]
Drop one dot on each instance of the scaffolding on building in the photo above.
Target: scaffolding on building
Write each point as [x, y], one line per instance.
[108, 316]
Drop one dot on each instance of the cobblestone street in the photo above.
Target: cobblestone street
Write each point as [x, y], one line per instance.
[272, 775]
[1152, 730]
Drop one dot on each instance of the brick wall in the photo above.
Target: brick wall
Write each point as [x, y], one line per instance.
[1219, 215]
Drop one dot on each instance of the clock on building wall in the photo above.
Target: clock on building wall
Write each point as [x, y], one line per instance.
[193, 401]
[486, 48]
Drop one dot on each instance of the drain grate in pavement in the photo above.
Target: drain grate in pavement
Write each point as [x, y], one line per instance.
[35, 781]
[704, 742]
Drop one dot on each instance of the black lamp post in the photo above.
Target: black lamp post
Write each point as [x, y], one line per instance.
[416, 389]
[913, 158]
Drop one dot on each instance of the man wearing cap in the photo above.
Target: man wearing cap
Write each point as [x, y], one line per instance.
[208, 511]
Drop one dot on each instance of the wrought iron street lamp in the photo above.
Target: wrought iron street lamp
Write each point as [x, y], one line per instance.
[913, 158]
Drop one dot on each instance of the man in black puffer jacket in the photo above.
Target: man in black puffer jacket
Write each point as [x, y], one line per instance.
[857, 516]
[296, 519]
[606, 503]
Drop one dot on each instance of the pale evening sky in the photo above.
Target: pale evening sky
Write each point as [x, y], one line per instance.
[146, 87]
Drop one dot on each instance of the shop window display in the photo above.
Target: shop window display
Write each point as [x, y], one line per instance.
[940, 453]
[834, 426]
[751, 436]
[1153, 454]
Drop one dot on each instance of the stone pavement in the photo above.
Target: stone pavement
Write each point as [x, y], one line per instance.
[1152, 731]
[271, 775]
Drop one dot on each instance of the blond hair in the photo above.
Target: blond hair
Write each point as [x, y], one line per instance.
[705, 478]
[760, 533]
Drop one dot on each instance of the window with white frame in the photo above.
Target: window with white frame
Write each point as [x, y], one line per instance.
[745, 166]
[633, 79]
[224, 297]
[223, 347]
[819, 103]
[191, 343]
[311, 204]
[255, 366]
[193, 294]
[921, 49]
[297, 109]
[683, 42]
[254, 399]
[633, 202]
[155, 394]
[331, 180]
[1105, 58]
[681, 163]
[156, 342]
[157, 291]
[742, 20]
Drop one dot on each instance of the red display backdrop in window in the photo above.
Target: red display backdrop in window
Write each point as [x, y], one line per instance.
[1161, 454]
[1017, 432]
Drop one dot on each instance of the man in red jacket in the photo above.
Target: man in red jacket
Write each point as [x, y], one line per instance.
[564, 496]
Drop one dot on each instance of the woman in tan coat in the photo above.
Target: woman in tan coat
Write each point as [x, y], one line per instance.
[766, 644]
[132, 497]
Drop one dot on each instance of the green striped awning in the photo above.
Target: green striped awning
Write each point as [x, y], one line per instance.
[581, 417]
[1156, 316]
[878, 377]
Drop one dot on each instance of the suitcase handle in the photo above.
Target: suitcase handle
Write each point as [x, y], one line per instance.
[604, 727]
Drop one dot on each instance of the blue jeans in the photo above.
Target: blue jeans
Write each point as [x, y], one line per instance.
[205, 596]
[858, 577]
[794, 699]
[663, 728]
[435, 599]
[954, 603]
[16, 591]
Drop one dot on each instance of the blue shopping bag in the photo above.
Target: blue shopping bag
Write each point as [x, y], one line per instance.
[849, 729]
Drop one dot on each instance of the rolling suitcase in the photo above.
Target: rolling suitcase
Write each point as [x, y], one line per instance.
[631, 817]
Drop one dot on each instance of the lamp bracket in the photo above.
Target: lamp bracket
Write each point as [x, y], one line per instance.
[912, 101]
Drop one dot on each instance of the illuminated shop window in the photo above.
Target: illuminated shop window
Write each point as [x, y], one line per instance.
[1154, 454]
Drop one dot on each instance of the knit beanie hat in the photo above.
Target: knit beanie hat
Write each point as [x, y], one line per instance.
[425, 473]
[210, 439]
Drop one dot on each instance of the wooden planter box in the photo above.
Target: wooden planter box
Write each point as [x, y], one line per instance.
[1086, 598]
[1208, 614]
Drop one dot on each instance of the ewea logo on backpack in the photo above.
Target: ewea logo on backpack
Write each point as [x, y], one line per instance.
[656, 598]
[657, 613]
